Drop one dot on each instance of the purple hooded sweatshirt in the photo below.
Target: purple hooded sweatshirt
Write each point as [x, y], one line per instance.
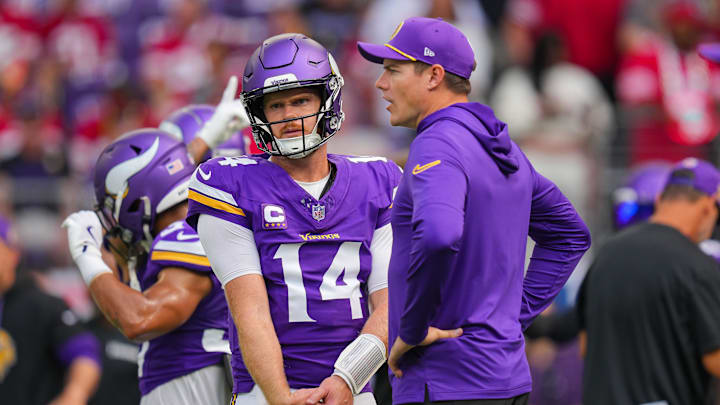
[467, 202]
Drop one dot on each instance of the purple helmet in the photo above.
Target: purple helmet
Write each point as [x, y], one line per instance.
[635, 201]
[185, 123]
[285, 62]
[137, 177]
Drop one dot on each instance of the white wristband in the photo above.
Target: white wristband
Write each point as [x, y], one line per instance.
[359, 361]
[91, 265]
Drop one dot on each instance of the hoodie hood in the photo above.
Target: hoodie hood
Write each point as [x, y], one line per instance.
[491, 133]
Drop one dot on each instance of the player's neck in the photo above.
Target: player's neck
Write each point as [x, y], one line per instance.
[314, 167]
[680, 216]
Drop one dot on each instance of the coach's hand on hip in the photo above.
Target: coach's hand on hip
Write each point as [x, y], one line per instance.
[399, 348]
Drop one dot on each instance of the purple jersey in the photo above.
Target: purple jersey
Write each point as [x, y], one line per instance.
[202, 340]
[315, 254]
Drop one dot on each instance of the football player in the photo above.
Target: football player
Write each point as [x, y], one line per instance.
[186, 124]
[176, 306]
[301, 241]
[208, 130]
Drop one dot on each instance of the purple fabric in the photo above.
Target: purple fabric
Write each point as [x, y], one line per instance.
[194, 344]
[81, 345]
[463, 211]
[314, 313]
[705, 178]
[5, 230]
[429, 40]
[710, 52]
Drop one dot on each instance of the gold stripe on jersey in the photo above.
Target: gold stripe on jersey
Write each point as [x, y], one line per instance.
[213, 203]
[180, 257]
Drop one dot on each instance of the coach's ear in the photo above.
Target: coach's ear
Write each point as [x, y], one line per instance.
[435, 76]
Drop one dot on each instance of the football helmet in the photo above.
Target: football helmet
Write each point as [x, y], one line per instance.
[184, 124]
[140, 175]
[634, 201]
[285, 62]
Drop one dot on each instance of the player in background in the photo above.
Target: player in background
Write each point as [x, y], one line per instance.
[207, 130]
[301, 241]
[175, 306]
[186, 123]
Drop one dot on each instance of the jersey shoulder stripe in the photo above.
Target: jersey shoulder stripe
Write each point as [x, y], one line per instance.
[213, 203]
[178, 257]
[211, 190]
[210, 186]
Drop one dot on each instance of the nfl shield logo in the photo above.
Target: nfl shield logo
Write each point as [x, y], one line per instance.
[318, 212]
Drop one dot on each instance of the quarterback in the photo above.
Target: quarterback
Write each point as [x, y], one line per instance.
[300, 242]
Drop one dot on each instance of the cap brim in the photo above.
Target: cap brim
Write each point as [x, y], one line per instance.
[710, 52]
[377, 53]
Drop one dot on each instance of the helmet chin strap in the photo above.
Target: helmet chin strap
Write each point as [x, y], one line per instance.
[147, 242]
[292, 148]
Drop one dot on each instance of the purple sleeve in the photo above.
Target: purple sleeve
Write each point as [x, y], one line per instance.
[438, 186]
[84, 345]
[561, 239]
[214, 194]
[394, 176]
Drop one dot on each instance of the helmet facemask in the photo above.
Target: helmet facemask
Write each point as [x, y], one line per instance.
[329, 116]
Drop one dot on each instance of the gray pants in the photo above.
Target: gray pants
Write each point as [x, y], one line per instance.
[256, 397]
[205, 386]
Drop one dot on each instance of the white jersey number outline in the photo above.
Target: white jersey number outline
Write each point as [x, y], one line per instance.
[347, 258]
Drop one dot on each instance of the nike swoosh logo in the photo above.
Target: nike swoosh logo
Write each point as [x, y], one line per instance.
[419, 169]
[182, 236]
[205, 176]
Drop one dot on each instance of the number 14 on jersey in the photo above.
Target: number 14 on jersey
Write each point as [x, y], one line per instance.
[347, 258]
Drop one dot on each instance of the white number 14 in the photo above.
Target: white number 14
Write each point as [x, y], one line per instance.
[347, 258]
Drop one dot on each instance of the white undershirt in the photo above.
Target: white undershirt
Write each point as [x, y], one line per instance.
[219, 237]
[314, 188]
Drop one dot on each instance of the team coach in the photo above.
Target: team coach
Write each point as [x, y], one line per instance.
[469, 198]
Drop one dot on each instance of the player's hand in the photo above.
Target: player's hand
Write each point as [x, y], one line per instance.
[84, 233]
[229, 117]
[84, 240]
[332, 391]
[399, 348]
[300, 397]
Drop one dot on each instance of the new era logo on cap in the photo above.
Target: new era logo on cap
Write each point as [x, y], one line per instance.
[428, 40]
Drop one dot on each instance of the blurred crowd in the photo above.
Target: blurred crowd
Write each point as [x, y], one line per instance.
[591, 90]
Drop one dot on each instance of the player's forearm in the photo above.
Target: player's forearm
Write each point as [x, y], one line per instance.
[438, 231]
[258, 341]
[197, 148]
[128, 310]
[377, 323]
[82, 379]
